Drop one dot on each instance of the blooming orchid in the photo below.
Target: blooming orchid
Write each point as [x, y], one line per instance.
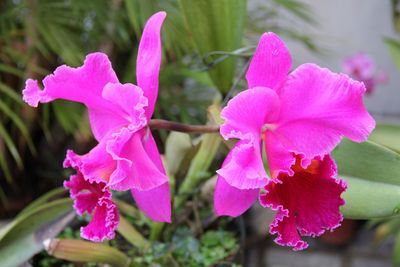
[126, 156]
[361, 67]
[298, 118]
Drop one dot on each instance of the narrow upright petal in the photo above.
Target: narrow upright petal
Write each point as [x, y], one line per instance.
[307, 203]
[318, 109]
[149, 60]
[229, 200]
[270, 64]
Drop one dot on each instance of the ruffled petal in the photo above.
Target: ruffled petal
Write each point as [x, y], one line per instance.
[104, 222]
[84, 85]
[270, 64]
[245, 117]
[307, 203]
[149, 60]
[318, 108]
[248, 112]
[84, 194]
[94, 199]
[155, 203]
[130, 99]
[230, 201]
[245, 168]
[135, 169]
[95, 166]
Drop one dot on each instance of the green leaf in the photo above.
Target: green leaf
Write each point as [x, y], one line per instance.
[387, 135]
[199, 166]
[177, 147]
[84, 251]
[394, 48]
[216, 26]
[15, 118]
[131, 234]
[48, 197]
[373, 176]
[23, 237]
[11, 146]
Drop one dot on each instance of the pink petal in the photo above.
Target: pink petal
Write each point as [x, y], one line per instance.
[104, 222]
[84, 194]
[245, 117]
[130, 99]
[155, 203]
[149, 60]
[95, 166]
[270, 63]
[84, 85]
[95, 199]
[150, 146]
[319, 108]
[32, 94]
[248, 111]
[230, 201]
[135, 169]
[279, 159]
[307, 203]
[245, 169]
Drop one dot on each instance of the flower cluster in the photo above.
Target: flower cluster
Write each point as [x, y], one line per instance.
[126, 156]
[297, 119]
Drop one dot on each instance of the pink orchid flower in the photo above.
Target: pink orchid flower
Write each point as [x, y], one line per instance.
[126, 157]
[299, 118]
[361, 67]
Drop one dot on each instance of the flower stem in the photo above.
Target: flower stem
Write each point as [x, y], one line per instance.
[180, 127]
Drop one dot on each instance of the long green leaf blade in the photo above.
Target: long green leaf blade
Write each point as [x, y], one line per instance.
[373, 176]
[216, 26]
